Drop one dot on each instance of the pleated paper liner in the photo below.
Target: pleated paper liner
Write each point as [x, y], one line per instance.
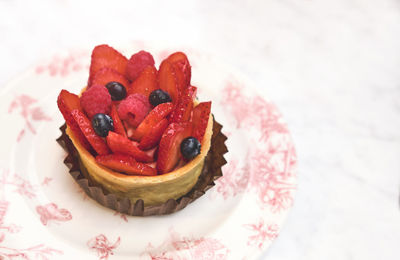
[211, 171]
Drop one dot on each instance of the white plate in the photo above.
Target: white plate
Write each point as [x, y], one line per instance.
[43, 212]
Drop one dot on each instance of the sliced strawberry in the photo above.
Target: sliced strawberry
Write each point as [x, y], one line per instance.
[86, 127]
[126, 164]
[192, 91]
[151, 138]
[182, 69]
[183, 109]
[145, 83]
[122, 145]
[169, 147]
[67, 102]
[106, 75]
[118, 126]
[153, 118]
[167, 80]
[104, 56]
[201, 114]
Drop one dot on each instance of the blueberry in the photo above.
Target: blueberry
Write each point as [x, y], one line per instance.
[159, 96]
[190, 147]
[102, 124]
[116, 90]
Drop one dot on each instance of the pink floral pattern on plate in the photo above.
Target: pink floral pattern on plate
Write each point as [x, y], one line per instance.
[22, 186]
[177, 247]
[261, 233]
[61, 65]
[51, 213]
[102, 246]
[272, 163]
[29, 111]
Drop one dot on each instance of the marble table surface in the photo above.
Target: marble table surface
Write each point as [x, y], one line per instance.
[332, 67]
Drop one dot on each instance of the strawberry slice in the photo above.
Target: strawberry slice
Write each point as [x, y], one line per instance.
[67, 102]
[106, 75]
[192, 91]
[86, 127]
[183, 109]
[122, 145]
[126, 164]
[169, 147]
[201, 114]
[182, 69]
[145, 83]
[151, 120]
[151, 139]
[167, 80]
[118, 126]
[104, 56]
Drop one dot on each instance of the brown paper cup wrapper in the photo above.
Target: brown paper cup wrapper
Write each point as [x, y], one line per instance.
[211, 171]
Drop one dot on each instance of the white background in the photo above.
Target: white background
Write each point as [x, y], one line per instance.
[332, 67]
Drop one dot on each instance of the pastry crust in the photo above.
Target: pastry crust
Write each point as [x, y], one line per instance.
[153, 190]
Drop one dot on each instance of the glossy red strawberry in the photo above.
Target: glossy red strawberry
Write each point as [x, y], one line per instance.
[118, 126]
[122, 145]
[168, 81]
[106, 75]
[67, 102]
[151, 138]
[182, 69]
[145, 83]
[201, 114]
[169, 147]
[85, 125]
[183, 109]
[126, 164]
[152, 119]
[104, 56]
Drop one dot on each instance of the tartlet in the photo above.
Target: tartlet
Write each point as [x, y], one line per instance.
[138, 137]
[153, 190]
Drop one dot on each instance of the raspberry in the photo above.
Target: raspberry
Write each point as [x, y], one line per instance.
[134, 109]
[137, 63]
[96, 100]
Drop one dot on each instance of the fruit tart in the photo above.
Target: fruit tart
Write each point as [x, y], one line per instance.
[139, 133]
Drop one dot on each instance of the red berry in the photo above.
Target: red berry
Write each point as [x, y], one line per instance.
[122, 145]
[125, 164]
[106, 75]
[169, 148]
[152, 119]
[201, 114]
[104, 56]
[137, 63]
[145, 83]
[183, 110]
[134, 109]
[182, 69]
[67, 102]
[168, 81]
[118, 126]
[86, 127]
[96, 100]
[151, 138]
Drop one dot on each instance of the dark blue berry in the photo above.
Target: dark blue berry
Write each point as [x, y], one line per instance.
[116, 90]
[102, 124]
[190, 148]
[159, 96]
